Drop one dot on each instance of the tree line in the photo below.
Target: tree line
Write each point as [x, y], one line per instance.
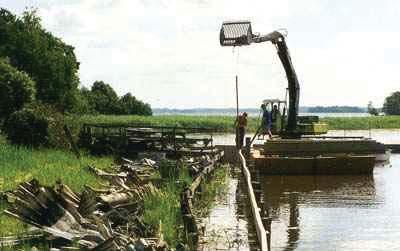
[36, 66]
[39, 84]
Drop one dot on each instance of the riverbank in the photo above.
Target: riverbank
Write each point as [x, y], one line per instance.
[20, 164]
[225, 123]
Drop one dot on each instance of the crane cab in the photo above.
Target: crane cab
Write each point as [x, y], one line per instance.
[306, 125]
[277, 108]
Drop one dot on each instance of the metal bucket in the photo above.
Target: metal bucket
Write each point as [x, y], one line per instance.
[235, 33]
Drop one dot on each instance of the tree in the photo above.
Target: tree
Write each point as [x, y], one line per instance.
[392, 104]
[130, 105]
[45, 58]
[371, 109]
[103, 99]
[16, 89]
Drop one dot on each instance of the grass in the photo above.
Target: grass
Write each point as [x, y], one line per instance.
[362, 123]
[18, 164]
[165, 206]
[225, 123]
[219, 123]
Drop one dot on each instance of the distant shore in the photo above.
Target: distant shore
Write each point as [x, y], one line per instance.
[225, 123]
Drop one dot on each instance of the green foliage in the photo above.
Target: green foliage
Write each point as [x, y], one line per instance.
[164, 207]
[47, 59]
[224, 124]
[218, 123]
[39, 125]
[16, 89]
[102, 98]
[372, 110]
[131, 106]
[392, 104]
[362, 123]
[25, 127]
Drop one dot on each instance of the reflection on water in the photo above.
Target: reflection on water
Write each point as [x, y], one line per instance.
[335, 212]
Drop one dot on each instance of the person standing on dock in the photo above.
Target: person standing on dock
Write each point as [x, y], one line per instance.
[241, 123]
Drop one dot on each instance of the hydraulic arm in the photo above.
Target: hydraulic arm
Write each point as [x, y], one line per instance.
[239, 33]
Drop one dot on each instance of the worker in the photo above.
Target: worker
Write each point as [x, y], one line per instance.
[265, 122]
[275, 118]
[275, 113]
[241, 123]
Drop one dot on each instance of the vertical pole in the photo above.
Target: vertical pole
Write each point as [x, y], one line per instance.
[369, 127]
[237, 98]
[237, 112]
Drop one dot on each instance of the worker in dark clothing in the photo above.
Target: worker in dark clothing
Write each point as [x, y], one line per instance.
[240, 123]
[275, 114]
[275, 119]
[265, 122]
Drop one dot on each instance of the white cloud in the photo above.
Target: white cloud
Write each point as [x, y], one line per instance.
[167, 51]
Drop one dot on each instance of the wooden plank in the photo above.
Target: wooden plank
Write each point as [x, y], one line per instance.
[261, 232]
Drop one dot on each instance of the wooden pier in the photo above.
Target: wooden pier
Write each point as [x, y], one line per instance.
[132, 139]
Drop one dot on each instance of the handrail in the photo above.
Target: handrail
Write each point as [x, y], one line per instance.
[261, 232]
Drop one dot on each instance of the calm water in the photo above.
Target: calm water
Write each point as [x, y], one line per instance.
[335, 212]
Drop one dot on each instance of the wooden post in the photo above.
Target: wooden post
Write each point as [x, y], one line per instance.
[248, 146]
[237, 113]
[237, 98]
[269, 222]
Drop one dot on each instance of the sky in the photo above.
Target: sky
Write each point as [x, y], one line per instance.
[167, 52]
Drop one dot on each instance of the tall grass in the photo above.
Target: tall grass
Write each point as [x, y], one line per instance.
[226, 123]
[164, 208]
[362, 123]
[18, 164]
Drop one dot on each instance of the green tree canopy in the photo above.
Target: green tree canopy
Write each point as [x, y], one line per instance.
[130, 105]
[45, 58]
[103, 99]
[16, 89]
[392, 104]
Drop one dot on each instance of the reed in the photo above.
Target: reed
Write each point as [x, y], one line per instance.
[226, 123]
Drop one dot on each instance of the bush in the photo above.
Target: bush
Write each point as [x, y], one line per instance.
[25, 127]
[37, 125]
[16, 89]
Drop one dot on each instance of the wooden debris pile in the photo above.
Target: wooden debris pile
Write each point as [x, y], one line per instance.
[107, 218]
[96, 219]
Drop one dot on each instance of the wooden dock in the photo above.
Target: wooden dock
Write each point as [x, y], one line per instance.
[133, 139]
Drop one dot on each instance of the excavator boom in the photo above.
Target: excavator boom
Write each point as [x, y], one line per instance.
[239, 33]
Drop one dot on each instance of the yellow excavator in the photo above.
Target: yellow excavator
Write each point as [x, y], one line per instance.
[239, 33]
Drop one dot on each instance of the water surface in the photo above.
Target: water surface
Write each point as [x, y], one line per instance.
[336, 212]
